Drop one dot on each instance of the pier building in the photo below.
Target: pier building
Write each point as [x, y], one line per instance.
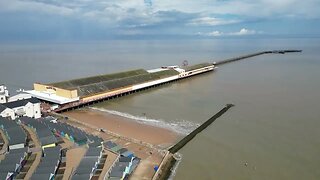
[72, 93]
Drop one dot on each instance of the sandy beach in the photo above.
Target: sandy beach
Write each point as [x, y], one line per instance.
[125, 127]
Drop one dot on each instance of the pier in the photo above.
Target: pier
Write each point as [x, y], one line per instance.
[255, 54]
[77, 93]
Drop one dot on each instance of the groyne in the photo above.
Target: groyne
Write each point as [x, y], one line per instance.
[199, 129]
[255, 54]
[165, 168]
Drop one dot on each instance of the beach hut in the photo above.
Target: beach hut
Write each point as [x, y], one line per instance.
[135, 163]
[115, 148]
[14, 133]
[109, 144]
[122, 150]
[128, 154]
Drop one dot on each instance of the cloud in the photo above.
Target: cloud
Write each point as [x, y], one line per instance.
[242, 32]
[105, 10]
[212, 34]
[148, 2]
[34, 6]
[211, 21]
[215, 33]
[155, 17]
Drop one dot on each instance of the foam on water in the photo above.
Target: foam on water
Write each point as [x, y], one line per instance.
[182, 127]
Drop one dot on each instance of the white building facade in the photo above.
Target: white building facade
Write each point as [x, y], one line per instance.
[26, 107]
[4, 94]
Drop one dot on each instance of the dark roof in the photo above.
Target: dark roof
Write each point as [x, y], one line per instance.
[74, 83]
[81, 176]
[2, 107]
[20, 103]
[78, 135]
[15, 104]
[34, 100]
[16, 136]
[37, 176]
[109, 144]
[14, 157]
[43, 132]
[122, 150]
[117, 171]
[96, 140]
[15, 133]
[88, 162]
[93, 152]
[108, 82]
[48, 163]
[125, 159]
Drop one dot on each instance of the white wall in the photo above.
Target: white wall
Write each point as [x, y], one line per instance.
[19, 97]
[3, 99]
[2, 88]
[16, 146]
[36, 111]
[4, 94]
[8, 113]
[30, 110]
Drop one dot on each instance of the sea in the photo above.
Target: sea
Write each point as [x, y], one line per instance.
[272, 132]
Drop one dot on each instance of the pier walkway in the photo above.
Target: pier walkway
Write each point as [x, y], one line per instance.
[255, 54]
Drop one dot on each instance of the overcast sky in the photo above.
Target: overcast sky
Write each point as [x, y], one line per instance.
[104, 19]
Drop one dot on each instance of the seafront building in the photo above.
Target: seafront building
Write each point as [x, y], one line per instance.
[25, 107]
[69, 94]
[22, 104]
[4, 94]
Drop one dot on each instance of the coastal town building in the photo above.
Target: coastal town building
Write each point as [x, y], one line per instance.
[4, 94]
[18, 97]
[6, 112]
[25, 107]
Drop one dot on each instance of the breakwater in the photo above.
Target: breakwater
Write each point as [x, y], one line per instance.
[169, 160]
[255, 54]
[203, 126]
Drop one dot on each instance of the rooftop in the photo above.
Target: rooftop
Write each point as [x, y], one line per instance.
[20, 103]
[43, 132]
[51, 97]
[14, 132]
[75, 83]
[2, 107]
[197, 66]
[97, 84]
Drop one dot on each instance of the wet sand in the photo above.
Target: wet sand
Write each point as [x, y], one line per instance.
[126, 127]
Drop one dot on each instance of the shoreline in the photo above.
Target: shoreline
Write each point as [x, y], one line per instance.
[126, 127]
